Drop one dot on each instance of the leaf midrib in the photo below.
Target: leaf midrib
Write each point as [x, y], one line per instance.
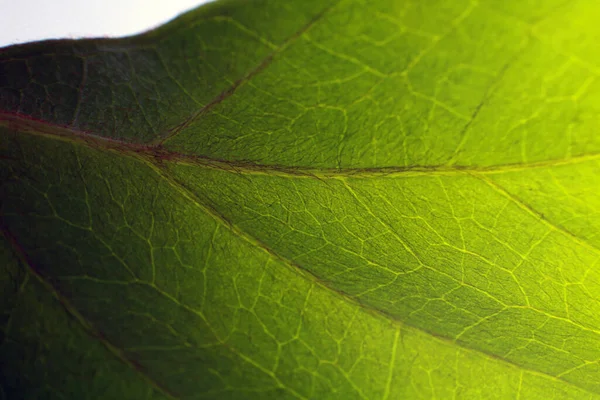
[158, 154]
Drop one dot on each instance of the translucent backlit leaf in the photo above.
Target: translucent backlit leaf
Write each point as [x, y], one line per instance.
[309, 200]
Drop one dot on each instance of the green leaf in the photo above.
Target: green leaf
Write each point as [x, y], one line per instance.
[310, 200]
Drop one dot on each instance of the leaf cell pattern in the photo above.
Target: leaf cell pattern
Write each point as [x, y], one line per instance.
[315, 207]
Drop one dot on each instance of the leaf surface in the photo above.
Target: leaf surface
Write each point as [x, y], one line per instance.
[312, 200]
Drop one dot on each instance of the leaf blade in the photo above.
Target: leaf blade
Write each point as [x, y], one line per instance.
[222, 270]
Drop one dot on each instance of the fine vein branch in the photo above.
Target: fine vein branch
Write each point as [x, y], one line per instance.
[261, 66]
[310, 276]
[117, 352]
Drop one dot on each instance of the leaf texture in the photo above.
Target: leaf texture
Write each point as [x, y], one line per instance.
[310, 200]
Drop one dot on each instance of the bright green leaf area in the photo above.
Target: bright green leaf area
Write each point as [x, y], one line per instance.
[306, 200]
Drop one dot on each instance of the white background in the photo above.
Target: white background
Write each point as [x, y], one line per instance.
[27, 20]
